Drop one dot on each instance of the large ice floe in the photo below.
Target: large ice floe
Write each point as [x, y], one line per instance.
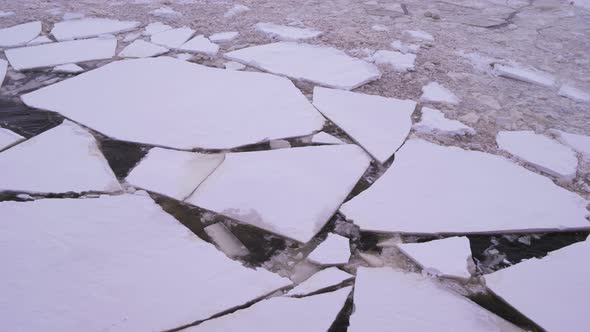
[183, 105]
[385, 298]
[19, 34]
[8, 138]
[288, 33]
[63, 159]
[380, 125]
[90, 27]
[434, 92]
[322, 65]
[551, 291]
[438, 189]
[291, 192]
[116, 263]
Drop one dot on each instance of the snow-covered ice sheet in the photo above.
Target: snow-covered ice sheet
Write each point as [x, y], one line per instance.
[288, 33]
[385, 298]
[400, 62]
[580, 143]
[173, 38]
[335, 249]
[116, 263]
[322, 65]
[205, 107]
[291, 192]
[447, 257]
[526, 75]
[221, 37]
[380, 125]
[236, 10]
[419, 35]
[541, 151]
[320, 280]
[574, 93]
[436, 189]
[8, 138]
[200, 44]
[70, 68]
[173, 173]
[19, 34]
[155, 27]
[3, 69]
[551, 291]
[436, 93]
[434, 121]
[90, 27]
[325, 138]
[142, 49]
[63, 159]
[53, 54]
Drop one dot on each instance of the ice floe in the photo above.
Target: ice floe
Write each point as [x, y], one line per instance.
[400, 62]
[380, 125]
[541, 151]
[40, 40]
[320, 280]
[312, 182]
[63, 159]
[116, 263]
[580, 143]
[90, 27]
[385, 298]
[551, 291]
[526, 75]
[8, 138]
[288, 33]
[142, 49]
[325, 138]
[232, 65]
[434, 121]
[205, 107]
[419, 35]
[335, 249]
[236, 10]
[165, 12]
[221, 37]
[172, 38]
[173, 173]
[155, 27]
[3, 69]
[70, 68]
[19, 35]
[53, 54]
[200, 44]
[464, 192]
[447, 257]
[573, 93]
[436, 93]
[322, 65]
[226, 241]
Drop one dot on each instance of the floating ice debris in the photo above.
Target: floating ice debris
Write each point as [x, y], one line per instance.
[551, 291]
[120, 256]
[285, 314]
[380, 125]
[63, 159]
[9, 138]
[184, 56]
[68, 69]
[541, 151]
[223, 36]
[53, 54]
[465, 192]
[288, 33]
[526, 75]
[6, 14]
[418, 34]
[131, 37]
[226, 240]
[323, 279]
[205, 107]
[322, 65]
[3, 69]
[334, 250]
[379, 28]
[173, 173]
[72, 16]
[165, 12]
[447, 257]
[372, 259]
[325, 138]
[39, 40]
[232, 65]
[400, 62]
[436, 93]
[434, 121]
[580, 143]
[200, 44]
[384, 298]
[142, 49]
[312, 182]
[156, 27]
[573, 93]
[399, 46]
[172, 38]
[236, 10]
[90, 27]
[279, 144]
[19, 34]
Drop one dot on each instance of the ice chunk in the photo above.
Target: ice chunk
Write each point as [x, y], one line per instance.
[283, 32]
[545, 153]
[325, 138]
[226, 241]
[232, 65]
[54, 54]
[574, 93]
[580, 143]
[6, 14]
[72, 16]
[90, 27]
[400, 62]
[322, 65]
[19, 34]
[447, 257]
[200, 44]
[39, 40]
[184, 56]
[172, 38]
[379, 28]
[334, 250]
[68, 69]
[236, 10]
[526, 75]
[384, 298]
[323, 279]
[8, 138]
[464, 192]
[436, 93]
[116, 263]
[279, 144]
[434, 121]
[291, 192]
[551, 291]
[399, 46]
[221, 37]
[155, 27]
[380, 125]
[418, 34]
[142, 49]
[204, 107]
[165, 12]
[3, 69]
[173, 173]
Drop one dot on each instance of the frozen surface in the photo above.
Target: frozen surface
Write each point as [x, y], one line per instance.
[400, 62]
[325, 138]
[574, 93]
[434, 121]
[526, 75]
[200, 44]
[223, 36]
[90, 27]
[320, 280]
[580, 143]
[226, 240]
[165, 12]
[173, 173]
[380, 125]
[551, 291]
[312, 182]
[65, 158]
[3, 68]
[384, 298]
[116, 263]
[8, 138]
[70, 68]
[142, 49]
[541, 151]
[436, 93]
[447, 257]
[172, 38]
[419, 35]
[465, 192]
[283, 32]
[236, 10]
[19, 34]
[322, 65]
[205, 107]
[155, 27]
[54, 54]
[335, 249]
[40, 40]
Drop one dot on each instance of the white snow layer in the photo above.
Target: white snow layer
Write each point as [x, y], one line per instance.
[223, 36]
[63, 159]
[436, 189]
[526, 75]
[400, 62]
[172, 38]
[204, 107]
[236, 10]
[325, 138]
[320, 280]
[116, 263]
[380, 125]
[434, 121]
[447, 257]
[291, 192]
[90, 27]
[68, 69]
[322, 65]
[580, 143]
[155, 27]
[288, 33]
[335, 249]
[3, 69]
[142, 49]
[436, 93]
[19, 34]
[8, 138]
[200, 44]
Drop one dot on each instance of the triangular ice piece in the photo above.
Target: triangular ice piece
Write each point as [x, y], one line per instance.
[320, 280]
[447, 257]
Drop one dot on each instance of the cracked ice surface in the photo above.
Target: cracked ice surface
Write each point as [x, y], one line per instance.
[205, 107]
[8, 138]
[400, 62]
[90, 27]
[320, 280]
[119, 258]
[287, 33]
[19, 35]
[335, 249]
[460, 189]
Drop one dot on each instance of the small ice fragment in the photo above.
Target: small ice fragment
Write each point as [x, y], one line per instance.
[226, 241]
[434, 121]
[232, 65]
[90, 27]
[155, 27]
[39, 40]
[279, 144]
[399, 46]
[142, 49]
[72, 16]
[573, 93]
[400, 62]
[533, 76]
[165, 12]
[371, 259]
[236, 10]
[19, 34]
[418, 34]
[223, 36]
[287, 33]
[70, 68]
[323, 279]
[184, 56]
[25, 197]
[436, 93]
[379, 28]
[9, 138]
[200, 44]
[580, 143]
[172, 38]
[334, 250]
[325, 138]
